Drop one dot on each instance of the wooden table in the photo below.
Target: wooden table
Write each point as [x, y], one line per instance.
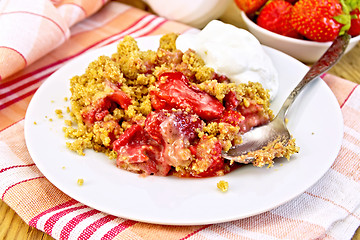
[12, 227]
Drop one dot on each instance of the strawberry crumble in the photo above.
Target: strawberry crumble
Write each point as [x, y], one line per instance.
[164, 112]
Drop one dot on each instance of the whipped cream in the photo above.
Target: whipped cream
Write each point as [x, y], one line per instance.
[233, 52]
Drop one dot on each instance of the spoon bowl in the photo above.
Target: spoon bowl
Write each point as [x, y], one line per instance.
[276, 131]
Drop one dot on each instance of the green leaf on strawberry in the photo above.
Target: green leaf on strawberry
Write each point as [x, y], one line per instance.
[353, 8]
[345, 18]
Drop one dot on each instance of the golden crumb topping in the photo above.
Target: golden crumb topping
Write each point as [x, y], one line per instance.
[121, 91]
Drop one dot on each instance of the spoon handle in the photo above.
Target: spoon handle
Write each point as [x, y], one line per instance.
[326, 61]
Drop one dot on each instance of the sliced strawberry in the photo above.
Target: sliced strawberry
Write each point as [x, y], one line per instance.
[167, 126]
[250, 6]
[275, 17]
[158, 103]
[245, 117]
[129, 144]
[175, 131]
[221, 78]
[251, 109]
[97, 111]
[254, 116]
[208, 158]
[121, 98]
[315, 19]
[100, 115]
[252, 120]
[118, 96]
[232, 117]
[138, 152]
[355, 23]
[101, 107]
[230, 101]
[152, 125]
[176, 91]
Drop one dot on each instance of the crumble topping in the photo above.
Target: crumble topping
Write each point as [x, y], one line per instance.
[165, 112]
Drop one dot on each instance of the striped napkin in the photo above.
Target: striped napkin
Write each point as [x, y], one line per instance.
[43, 24]
[328, 210]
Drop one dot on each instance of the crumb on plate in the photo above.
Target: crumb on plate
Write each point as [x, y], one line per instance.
[223, 185]
[80, 182]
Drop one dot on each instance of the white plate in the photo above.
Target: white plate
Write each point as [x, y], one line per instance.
[315, 120]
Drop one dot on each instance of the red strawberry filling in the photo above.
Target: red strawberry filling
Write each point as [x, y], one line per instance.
[169, 141]
[138, 152]
[175, 91]
[162, 113]
[175, 131]
[163, 143]
[100, 108]
[208, 159]
[170, 138]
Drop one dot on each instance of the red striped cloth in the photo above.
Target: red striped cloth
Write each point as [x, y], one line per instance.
[328, 210]
[33, 29]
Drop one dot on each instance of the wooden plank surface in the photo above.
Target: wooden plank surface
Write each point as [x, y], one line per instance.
[12, 227]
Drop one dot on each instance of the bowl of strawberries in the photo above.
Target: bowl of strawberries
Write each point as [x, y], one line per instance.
[303, 29]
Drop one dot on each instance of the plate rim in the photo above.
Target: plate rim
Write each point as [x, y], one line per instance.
[144, 219]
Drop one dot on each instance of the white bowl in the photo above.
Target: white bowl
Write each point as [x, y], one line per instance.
[303, 50]
[194, 13]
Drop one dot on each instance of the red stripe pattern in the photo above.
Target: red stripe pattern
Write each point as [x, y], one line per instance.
[63, 213]
[348, 96]
[285, 221]
[328, 210]
[91, 229]
[10, 95]
[16, 166]
[118, 229]
[65, 233]
[55, 218]
[33, 221]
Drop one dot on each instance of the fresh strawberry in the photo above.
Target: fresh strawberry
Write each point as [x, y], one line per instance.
[250, 6]
[355, 23]
[315, 19]
[175, 91]
[275, 17]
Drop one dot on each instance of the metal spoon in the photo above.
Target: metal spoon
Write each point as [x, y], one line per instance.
[260, 137]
